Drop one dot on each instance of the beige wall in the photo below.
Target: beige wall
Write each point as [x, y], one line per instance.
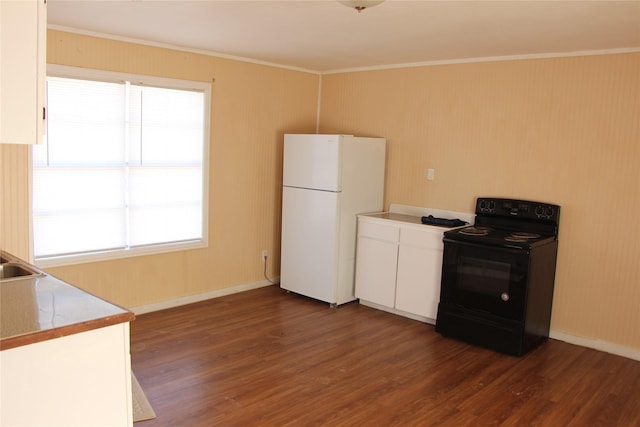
[14, 200]
[252, 107]
[564, 131]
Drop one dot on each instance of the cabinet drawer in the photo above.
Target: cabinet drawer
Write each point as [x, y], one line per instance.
[374, 230]
[423, 238]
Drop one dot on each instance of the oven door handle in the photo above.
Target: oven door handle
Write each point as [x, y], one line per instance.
[504, 249]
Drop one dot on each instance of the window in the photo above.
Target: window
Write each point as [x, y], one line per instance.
[123, 167]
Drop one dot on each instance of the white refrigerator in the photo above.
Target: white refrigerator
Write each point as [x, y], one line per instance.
[327, 181]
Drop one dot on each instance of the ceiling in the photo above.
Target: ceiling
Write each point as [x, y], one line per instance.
[324, 35]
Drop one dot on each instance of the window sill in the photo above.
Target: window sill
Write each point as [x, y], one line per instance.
[61, 261]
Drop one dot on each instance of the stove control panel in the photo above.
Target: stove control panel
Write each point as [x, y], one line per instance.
[517, 208]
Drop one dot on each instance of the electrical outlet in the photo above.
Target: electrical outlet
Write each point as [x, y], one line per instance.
[430, 174]
[264, 255]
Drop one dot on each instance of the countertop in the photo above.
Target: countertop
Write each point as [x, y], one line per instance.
[41, 308]
[410, 219]
[392, 216]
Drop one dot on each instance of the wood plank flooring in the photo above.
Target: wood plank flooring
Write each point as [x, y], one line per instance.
[269, 358]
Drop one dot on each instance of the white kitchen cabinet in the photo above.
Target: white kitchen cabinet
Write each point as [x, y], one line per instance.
[419, 271]
[376, 262]
[78, 380]
[23, 31]
[64, 354]
[398, 265]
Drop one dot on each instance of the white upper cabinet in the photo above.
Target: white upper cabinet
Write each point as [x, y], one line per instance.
[23, 32]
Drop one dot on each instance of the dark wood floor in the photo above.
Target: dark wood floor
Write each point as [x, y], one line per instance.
[268, 358]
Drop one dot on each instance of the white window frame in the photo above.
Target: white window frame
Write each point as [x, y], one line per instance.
[108, 76]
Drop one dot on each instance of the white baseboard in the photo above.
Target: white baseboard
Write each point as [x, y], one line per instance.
[595, 344]
[162, 305]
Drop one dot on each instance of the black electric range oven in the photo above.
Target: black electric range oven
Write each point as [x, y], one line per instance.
[498, 276]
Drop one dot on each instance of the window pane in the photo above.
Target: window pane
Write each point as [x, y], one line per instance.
[85, 122]
[172, 126]
[165, 204]
[78, 209]
[64, 233]
[165, 224]
[164, 186]
[75, 189]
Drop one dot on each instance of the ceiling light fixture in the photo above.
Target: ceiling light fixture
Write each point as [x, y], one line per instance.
[360, 5]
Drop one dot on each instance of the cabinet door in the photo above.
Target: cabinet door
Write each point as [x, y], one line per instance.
[419, 272]
[22, 71]
[376, 264]
[63, 375]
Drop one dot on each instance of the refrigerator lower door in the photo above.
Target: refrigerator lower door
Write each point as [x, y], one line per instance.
[310, 240]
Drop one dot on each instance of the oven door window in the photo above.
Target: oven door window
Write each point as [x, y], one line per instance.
[482, 276]
[485, 279]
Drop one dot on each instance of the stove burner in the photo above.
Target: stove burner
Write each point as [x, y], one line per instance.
[476, 231]
[521, 237]
[524, 235]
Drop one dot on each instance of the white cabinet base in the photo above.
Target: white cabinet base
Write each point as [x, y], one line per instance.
[398, 312]
[81, 380]
[376, 263]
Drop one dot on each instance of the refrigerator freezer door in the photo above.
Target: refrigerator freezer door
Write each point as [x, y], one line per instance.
[312, 161]
[310, 243]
